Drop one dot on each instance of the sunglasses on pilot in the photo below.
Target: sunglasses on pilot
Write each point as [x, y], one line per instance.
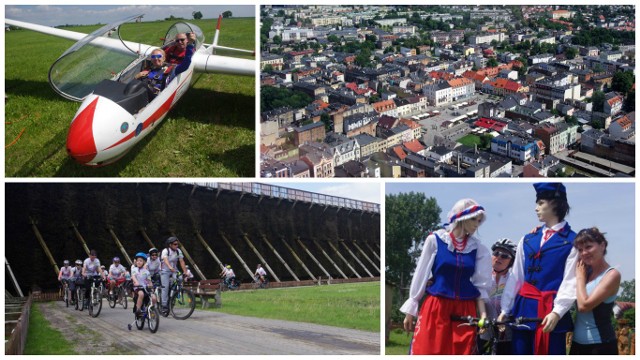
[501, 255]
[156, 56]
[181, 40]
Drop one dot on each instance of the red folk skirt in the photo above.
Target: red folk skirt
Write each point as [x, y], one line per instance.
[437, 334]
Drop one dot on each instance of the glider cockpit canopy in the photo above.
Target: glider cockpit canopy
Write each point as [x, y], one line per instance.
[98, 56]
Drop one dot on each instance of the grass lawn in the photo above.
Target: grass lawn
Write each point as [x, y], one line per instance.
[209, 133]
[398, 343]
[470, 140]
[353, 306]
[42, 339]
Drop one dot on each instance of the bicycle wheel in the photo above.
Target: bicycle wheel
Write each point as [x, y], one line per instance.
[123, 298]
[80, 299]
[96, 303]
[140, 320]
[182, 304]
[112, 299]
[154, 319]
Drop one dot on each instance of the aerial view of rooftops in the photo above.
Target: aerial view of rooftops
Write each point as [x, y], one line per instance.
[447, 91]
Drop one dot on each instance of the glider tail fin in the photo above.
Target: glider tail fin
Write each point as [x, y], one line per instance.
[214, 46]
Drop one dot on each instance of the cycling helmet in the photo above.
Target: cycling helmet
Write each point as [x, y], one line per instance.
[66, 262]
[505, 244]
[78, 262]
[141, 255]
[186, 266]
[153, 250]
[228, 266]
[170, 240]
[116, 259]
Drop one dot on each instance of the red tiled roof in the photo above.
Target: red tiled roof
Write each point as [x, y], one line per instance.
[399, 152]
[414, 145]
[490, 124]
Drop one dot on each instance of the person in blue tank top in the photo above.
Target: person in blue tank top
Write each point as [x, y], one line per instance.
[543, 282]
[597, 285]
[454, 271]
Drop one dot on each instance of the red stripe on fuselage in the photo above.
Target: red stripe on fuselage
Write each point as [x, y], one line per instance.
[164, 108]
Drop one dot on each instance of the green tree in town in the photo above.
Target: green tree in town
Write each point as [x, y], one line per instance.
[197, 15]
[622, 81]
[598, 101]
[492, 62]
[571, 53]
[227, 14]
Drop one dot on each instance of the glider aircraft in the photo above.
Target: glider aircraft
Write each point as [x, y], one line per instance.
[115, 111]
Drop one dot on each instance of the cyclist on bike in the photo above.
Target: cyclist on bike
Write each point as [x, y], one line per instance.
[141, 278]
[170, 257]
[229, 275]
[116, 274]
[76, 279]
[153, 265]
[260, 273]
[90, 268]
[503, 255]
[65, 274]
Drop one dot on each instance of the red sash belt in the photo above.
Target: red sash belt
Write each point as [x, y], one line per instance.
[545, 305]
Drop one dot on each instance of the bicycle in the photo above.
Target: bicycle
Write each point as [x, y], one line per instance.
[182, 302]
[79, 305]
[260, 284]
[494, 325]
[66, 293]
[95, 296]
[148, 313]
[230, 284]
[119, 296]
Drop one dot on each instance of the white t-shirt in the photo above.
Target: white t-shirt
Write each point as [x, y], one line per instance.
[66, 272]
[117, 271]
[93, 267]
[173, 257]
[261, 271]
[142, 276]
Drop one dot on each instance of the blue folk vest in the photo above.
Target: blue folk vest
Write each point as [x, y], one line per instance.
[544, 269]
[452, 273]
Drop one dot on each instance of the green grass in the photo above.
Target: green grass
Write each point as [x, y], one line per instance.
[470, 140]
[42, 339]
[398, 343]
[209, 133]
[353, 306]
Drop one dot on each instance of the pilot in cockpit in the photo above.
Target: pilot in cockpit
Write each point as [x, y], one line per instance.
[176, 51]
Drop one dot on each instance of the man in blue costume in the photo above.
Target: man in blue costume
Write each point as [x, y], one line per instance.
[543, 283]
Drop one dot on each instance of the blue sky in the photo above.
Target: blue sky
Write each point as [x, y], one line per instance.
[53, 15]
[363, 191]
[510, 211]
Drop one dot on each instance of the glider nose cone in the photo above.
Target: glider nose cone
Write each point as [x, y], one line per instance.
[81, 144]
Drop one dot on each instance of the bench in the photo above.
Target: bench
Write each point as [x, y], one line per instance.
[209, 289]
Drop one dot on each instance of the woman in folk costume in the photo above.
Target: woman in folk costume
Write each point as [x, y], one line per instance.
[458, 269]
[543, 282]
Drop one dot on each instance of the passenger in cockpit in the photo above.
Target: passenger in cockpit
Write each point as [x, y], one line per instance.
[159, 73]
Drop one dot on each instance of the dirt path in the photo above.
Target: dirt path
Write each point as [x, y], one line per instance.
[205, 332]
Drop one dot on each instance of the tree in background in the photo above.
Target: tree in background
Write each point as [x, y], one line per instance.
[622, 82]
[197, 15]
[628, 293]
[409, 219]
[598, 101]
[227, 14]
[571, 53]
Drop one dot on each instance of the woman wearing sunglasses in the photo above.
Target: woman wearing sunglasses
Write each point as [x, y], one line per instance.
[461, 278]
[159, 74]
[502, 256]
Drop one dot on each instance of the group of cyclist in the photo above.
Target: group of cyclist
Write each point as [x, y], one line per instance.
[229, 276]
[149, 269]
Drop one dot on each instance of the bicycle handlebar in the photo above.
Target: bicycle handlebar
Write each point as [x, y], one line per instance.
[474, 321]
